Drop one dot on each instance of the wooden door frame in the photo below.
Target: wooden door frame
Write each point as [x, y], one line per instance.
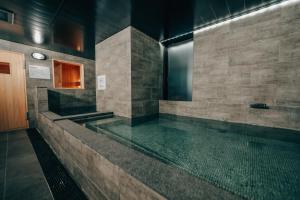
[25, 85]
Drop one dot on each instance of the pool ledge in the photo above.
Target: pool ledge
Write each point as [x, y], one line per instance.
[101, 165]
[55, 117]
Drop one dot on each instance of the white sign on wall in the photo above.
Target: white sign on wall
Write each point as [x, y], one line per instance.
[39, 72]
[101, 82]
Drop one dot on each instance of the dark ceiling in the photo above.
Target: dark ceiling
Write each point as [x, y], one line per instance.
[75, 27]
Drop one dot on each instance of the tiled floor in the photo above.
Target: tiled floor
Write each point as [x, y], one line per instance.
[21, 176]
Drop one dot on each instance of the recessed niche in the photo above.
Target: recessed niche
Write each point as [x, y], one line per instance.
[4, 68]
[67, 75]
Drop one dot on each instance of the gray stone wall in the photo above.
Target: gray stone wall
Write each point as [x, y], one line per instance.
[132, 64]
[88, 94]
[255, 59]
[146, 72]
[113, 60]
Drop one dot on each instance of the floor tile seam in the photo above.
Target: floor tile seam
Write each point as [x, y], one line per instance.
[25, 157]
[44, 177]
[5, 169]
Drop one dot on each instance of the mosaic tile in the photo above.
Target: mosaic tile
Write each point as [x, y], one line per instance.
[245, 164]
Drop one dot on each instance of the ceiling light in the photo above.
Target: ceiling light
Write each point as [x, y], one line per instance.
[39, 56]
[37, 37]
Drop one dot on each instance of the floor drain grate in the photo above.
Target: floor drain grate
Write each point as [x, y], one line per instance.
[61, 184]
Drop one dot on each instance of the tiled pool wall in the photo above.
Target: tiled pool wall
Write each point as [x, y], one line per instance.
[95, 174]
[254, 59]
[279, 134]
[87, 95]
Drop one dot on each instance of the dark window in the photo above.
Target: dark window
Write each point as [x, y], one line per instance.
[3, 16]
[4, 68]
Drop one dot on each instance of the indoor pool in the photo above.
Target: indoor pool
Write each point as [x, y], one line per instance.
[253, 162]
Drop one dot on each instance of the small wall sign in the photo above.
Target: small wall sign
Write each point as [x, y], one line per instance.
[39, 72]
[101, 82]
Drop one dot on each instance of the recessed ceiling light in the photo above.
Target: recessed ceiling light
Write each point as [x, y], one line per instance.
[38, 37]
[39, 56]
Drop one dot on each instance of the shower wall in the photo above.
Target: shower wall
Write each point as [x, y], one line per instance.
[252, 60]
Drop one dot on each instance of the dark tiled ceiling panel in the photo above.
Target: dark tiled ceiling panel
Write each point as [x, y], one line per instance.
[111, 17]
[75, 26]
[179, 17]
[61, 25]
[149, 16]
[187, 15]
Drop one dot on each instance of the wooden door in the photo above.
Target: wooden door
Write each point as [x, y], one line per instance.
[13, 103]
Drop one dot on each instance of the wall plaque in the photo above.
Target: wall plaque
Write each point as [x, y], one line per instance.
[39, 72]
[101, 82]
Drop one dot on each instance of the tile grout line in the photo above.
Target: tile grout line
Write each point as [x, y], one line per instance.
[5, 168]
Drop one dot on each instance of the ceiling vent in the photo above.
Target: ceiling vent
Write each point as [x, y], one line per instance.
[6, 16]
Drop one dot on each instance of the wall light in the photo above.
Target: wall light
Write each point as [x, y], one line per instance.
[39, 56]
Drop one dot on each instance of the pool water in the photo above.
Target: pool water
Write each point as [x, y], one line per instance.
[240, 159]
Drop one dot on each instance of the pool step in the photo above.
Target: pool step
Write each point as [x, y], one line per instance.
[86, 116]
[108, 120]
[93, 118]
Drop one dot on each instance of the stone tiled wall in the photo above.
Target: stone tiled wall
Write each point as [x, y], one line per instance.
[255, 59]
[88, 94]
[132, 64]
[113, 60]
[146, 72]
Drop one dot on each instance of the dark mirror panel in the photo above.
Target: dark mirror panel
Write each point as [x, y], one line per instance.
[69, 34]
[180, 69]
